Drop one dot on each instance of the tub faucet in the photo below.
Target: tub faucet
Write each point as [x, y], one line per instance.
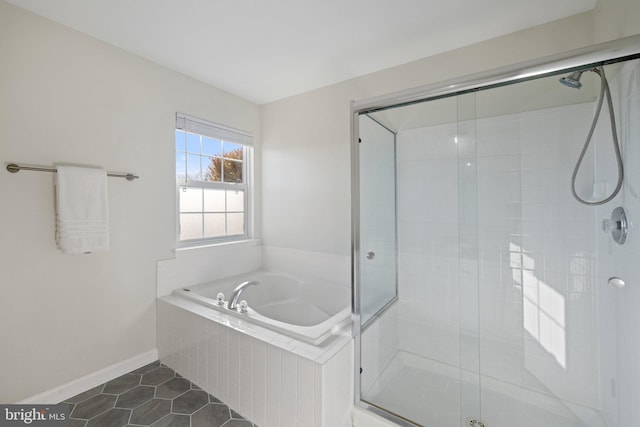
[235, 296]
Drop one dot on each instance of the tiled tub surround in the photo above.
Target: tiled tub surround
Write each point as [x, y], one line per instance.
[268, 377]
[153, 395]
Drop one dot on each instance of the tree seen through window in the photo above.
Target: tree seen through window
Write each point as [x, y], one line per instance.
[227, 168]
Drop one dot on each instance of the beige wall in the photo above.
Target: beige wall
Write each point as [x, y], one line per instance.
[65, 97]
[306, 137]
[614, 19]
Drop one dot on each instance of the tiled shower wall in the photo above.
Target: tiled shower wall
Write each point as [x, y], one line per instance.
[265, 383]
[537, 256]
[618, 308]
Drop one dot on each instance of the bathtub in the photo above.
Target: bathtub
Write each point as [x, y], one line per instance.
[307, 310]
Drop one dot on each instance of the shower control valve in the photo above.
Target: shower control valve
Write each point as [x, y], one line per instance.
[617, 225]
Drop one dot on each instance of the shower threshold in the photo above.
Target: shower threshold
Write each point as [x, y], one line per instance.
[431, 393]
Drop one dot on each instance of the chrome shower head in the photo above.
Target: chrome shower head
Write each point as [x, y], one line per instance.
[572, 80]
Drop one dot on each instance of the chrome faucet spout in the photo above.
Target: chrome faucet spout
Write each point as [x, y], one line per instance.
[235, 296]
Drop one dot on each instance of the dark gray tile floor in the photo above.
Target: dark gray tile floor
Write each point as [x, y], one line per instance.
[153, 395]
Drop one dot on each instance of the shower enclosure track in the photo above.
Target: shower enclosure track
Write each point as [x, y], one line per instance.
[624, 49]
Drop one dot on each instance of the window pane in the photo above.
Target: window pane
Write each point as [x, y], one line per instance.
[232, 171]
[214, 200]
[190, 226]
[209, 211]
[212, 168]
[181, 167]
[190, 199]
[193, 167]
[235, 224]
[232, 151]
[214, 225]
[211, 147]
[235, 200]
[180, 140]
[193, 143]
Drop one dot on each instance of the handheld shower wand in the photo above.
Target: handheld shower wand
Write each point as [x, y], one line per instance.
[573, 81]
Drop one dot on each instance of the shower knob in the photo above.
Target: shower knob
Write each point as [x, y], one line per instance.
[371, 255]
[617, 225]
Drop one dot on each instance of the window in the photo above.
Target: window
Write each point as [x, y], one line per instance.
[212, 180]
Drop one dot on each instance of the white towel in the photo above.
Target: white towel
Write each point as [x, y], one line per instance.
[82, 211]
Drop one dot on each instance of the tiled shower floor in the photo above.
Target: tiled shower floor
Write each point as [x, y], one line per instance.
[153, 395]
[432, 393]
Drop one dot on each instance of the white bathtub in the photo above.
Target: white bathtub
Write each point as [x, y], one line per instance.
[311, 311]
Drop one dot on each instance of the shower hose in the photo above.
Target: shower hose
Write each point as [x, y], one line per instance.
[604, 90]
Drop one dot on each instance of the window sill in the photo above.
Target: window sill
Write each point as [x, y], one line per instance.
[235, 243]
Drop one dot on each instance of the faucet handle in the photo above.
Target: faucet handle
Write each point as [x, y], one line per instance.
[220, 298]
[243, 307]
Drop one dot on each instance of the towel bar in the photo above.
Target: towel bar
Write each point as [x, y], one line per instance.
[14, 168]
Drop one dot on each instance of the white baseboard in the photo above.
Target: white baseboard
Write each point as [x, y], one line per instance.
[70, 389]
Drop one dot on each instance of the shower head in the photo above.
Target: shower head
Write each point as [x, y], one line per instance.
[572, 80]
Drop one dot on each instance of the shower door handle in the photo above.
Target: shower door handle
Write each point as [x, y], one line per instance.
[371, 255]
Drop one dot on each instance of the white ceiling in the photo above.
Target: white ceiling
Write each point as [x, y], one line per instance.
[264, 50]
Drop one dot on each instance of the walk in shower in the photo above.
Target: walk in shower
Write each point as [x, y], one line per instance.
[485, 293]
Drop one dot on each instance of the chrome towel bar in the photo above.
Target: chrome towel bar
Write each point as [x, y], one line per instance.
[14, 168]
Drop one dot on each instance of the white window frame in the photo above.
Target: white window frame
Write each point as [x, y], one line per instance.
[226, 134]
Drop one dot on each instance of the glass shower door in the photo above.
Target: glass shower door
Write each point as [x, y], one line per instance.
[468, 262]
[549, 329]
[378, 225]
[420, 358]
